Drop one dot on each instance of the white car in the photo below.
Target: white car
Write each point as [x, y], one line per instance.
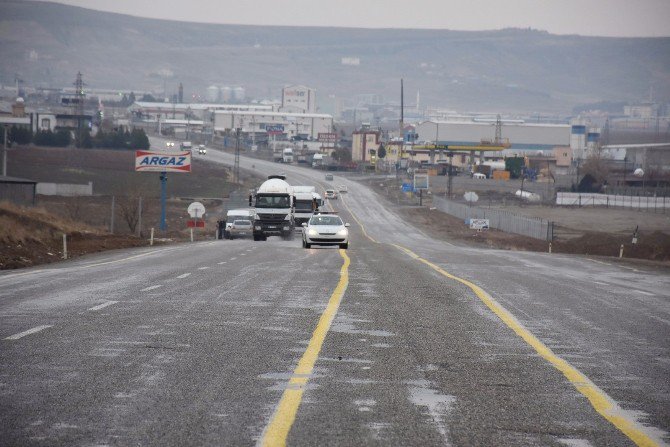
[325, 229]
[342, 188]
[331, 194]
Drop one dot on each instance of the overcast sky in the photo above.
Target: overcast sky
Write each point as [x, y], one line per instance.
[626, 18]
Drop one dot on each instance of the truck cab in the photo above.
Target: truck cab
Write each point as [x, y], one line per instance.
[274, 206]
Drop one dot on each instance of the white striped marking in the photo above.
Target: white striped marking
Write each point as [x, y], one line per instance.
[643, 292]
[203, 268]
[146, 289]
[232, 259]
[103, 305]
[183, 276]
[28, 332]
[220, 263]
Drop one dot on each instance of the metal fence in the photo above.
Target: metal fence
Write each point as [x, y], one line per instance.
[648, 203]
[501, 220]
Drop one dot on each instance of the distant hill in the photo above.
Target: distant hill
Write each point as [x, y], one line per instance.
[498, 71]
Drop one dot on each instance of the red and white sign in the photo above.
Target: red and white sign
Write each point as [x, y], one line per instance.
[155, 161]
[195, 224]
[327, 137]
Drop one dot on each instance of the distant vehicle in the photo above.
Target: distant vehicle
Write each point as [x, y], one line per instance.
[325, 229]
[241, 228]
[329, 177]
[479, 175]
[317, 160]
[307, 201]
[170, 144]
[202, 150]
[231, 217]
[343, 188]
[331, 194]
[287, 155]
[186, 145]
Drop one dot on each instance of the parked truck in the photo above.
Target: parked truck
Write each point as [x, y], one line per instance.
[307, 201]
[274, 206]
[287, 155]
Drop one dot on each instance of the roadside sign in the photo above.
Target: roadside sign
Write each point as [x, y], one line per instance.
[471, 196]
[196, 210]
[479, 224]
[154, 161]
[420, 181]
[274, 129]
[406, 187]
[195, 224]
[327, 137]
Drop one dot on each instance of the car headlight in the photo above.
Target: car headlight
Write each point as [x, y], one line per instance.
[343, 232]
[312, 232]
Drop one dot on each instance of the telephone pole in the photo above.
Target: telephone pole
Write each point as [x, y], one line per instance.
[236, 169]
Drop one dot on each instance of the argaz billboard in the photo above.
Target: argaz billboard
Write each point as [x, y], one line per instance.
[156, 161]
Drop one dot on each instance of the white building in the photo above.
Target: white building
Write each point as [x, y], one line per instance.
[521, 135]
[299, 99]
[153, 111]
[306, 125]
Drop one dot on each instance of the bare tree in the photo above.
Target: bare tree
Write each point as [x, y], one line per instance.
[597, 166]
[130, 210]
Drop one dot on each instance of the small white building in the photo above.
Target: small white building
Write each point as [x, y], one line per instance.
[298, 99]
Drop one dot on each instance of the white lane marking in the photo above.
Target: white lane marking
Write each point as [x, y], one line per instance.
[599, 262]
[103, 305]
[222, 262]
[232, 259]
[203, 268]
[146, 289]
[243, 254]
[28, 332]
[643, 292]
[16, 275]
[601, 283]
[183, 276]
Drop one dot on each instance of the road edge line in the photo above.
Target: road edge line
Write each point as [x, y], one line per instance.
[607, 407]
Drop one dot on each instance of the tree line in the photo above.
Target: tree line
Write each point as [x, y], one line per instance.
[120, 138]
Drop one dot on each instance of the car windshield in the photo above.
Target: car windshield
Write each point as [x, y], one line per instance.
[242, 222]
[325, 220]
[272, 202]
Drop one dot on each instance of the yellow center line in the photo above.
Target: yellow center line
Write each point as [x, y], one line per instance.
[601, 402]
[277, 431]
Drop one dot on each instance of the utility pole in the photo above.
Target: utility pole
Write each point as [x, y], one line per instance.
[236, 169]
[4, 153]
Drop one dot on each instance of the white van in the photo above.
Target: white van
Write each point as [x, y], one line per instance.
[233, 215]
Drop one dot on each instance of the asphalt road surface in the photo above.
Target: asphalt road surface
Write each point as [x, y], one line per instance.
[400, 340]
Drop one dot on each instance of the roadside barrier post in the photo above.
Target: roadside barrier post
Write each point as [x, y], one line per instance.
[621, 251]
[64, 246]
[191, 234]
[549, 247]
[151, 241]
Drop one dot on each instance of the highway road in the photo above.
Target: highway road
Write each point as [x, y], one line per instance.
[400, 340]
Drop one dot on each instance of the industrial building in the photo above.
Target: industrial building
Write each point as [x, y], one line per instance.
[301, 125]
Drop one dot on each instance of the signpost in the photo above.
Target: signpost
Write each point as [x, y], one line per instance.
[274, 129]
[479, 224]
[196, 210]
[327, 137]
[163, 162]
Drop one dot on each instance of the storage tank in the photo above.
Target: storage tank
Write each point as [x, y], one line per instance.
[226, 94]
[239, 94]
[213, 93]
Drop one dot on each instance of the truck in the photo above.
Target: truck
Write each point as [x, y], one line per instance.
[307, 201]
[274, 207]
[186, 146]
[287, 155]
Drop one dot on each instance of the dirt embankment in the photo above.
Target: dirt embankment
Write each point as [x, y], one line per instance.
[32, 236]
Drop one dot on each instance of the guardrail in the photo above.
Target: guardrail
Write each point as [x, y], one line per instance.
[607, 200]
[500, 220]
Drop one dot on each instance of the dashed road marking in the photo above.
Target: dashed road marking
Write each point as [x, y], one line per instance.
[643, 292]
[102, 306]
[146, 289]
[232, 259]
[203, 268]
[28, 332]
[221, 263]
[184, 275]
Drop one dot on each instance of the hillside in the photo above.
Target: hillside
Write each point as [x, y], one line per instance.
[507, 70]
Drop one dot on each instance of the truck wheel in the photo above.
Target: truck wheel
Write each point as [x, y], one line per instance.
[257, 238]
[308, 245]
[264, 238]
[344, 246]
